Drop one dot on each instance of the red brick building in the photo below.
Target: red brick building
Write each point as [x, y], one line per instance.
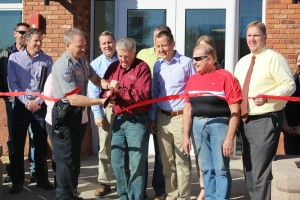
[224, 20]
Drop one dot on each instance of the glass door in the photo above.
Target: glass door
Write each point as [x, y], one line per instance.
[217, 18]
[188, 19]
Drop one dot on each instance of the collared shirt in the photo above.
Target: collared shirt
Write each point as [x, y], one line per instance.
[24, 73]
[170, 79]
[135, 85]
[100, 65]
[149, 56]
[271, 75]
[69, 74]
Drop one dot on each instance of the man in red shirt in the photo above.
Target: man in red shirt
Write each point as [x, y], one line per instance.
[130, 128]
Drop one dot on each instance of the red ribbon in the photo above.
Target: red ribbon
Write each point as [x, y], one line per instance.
[151, 101]
[13, 94]
[180, 96]
[165, 98]
[283, 98]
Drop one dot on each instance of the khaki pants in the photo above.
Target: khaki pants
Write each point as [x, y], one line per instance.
[104, 154]
[176, 165]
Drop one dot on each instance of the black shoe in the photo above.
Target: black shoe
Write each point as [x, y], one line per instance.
[75, 192]
[32, 178]
[45, 186]
[78, 198]
[7, 179]
[16, 188]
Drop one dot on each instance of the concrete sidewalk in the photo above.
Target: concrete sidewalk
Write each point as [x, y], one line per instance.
[88, 183]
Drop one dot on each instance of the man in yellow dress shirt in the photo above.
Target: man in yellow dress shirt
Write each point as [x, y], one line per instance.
[262, 122]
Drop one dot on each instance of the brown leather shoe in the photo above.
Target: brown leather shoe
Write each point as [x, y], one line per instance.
[102, 190]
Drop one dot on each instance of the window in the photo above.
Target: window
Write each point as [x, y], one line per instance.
[10, 1]
[199, 22]
[12, 10]
[141, 25]
[104, 15]
[7, 28]
[249, 11]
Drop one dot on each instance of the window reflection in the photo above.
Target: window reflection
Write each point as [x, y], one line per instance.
[200, 22]
[10, 1]
[7, 27]
[249, 11]
[141, 24]
[104, 21]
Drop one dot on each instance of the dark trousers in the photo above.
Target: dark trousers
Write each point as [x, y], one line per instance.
[260, 140]
[158, 180]
[66, 141]
[49, 128]
[291, 144]
[9, 117]
[22, 119]
[9, 105]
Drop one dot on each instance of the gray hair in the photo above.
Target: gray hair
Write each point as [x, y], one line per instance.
[30, 32]
[126, 44]
[69, 36]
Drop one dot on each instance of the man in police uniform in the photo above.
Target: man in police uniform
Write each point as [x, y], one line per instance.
[69, 72]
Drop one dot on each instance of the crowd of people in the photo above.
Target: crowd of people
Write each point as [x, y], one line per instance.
[217, 105]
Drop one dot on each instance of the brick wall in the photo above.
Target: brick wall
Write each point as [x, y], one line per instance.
[283, 28]
[58, 17]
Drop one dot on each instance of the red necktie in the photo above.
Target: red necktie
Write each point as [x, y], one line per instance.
[245, 90]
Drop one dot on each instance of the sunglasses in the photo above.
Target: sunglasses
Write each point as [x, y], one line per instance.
[199, 58]
[21, 32]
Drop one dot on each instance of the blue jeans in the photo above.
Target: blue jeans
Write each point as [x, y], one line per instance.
[130, 131]
[209, 135]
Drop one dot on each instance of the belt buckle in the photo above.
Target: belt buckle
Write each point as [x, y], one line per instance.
[173, 113]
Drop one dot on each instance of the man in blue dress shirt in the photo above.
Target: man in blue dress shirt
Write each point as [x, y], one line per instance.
[25, 71]
[19, 45]
[170, 75]
[103, 118]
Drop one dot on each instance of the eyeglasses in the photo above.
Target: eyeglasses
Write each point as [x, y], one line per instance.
[21, 32]
[199, 58]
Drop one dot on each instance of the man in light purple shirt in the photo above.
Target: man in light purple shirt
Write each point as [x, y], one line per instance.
[26, 71]
[170, 75]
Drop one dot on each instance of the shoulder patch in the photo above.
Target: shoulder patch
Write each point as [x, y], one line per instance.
[67, 75]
